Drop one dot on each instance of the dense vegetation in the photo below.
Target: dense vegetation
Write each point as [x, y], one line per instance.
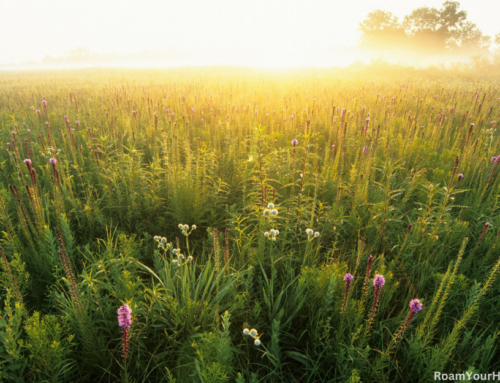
[291, 180]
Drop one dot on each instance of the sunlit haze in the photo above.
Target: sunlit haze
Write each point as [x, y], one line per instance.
[192, 32]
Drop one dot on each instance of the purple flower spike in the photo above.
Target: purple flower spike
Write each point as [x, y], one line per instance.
[44, 103]
[124, 318]
[431, 186]
[493, 159]
[415, 305]
[365, 149]
[53, 161]
[348, 277]
[38, 111]
[27, 161]
[77, 123]
[378, 281]
[294, 142]
[124, 321]
[460, 176]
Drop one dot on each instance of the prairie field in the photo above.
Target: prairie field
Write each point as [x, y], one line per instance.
[237, 225]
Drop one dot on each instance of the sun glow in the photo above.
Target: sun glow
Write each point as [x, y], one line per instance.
[277, 33]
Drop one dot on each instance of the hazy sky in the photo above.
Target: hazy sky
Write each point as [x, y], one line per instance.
[261, 29]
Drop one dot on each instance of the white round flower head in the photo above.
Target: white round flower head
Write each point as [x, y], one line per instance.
[273, 232]
[257, 342]
[246, 331]
[270, 206]
[175, 262]
[175, 251]
[316, 234]
[266, 234]
[253, 332]
[160, 245]
[309, 231]
[164, 240]
[184, 232]
[186, 227]
[190, 258]
[277, 232]
[181, 257]
[43, 154]
[180, 225]
[274, 238]
[156, 238]
[193, 227]
[267, 212]
[274, 212]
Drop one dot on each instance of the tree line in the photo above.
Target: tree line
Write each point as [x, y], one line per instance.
[425, 30]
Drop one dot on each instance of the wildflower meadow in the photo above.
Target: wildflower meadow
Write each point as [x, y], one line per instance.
[236, 225]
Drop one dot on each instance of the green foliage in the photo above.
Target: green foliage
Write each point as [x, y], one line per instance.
[214, 149]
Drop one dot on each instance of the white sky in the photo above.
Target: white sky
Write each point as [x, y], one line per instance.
[257, 30]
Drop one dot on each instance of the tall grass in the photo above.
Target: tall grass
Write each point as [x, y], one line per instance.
[388, 174]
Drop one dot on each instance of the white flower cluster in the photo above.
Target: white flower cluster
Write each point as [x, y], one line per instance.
[270, 211]
[162, 243]
[311, 234]
[254, 334]
[272, 234]
[185, 229]
[51, 152]
[181, 259]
